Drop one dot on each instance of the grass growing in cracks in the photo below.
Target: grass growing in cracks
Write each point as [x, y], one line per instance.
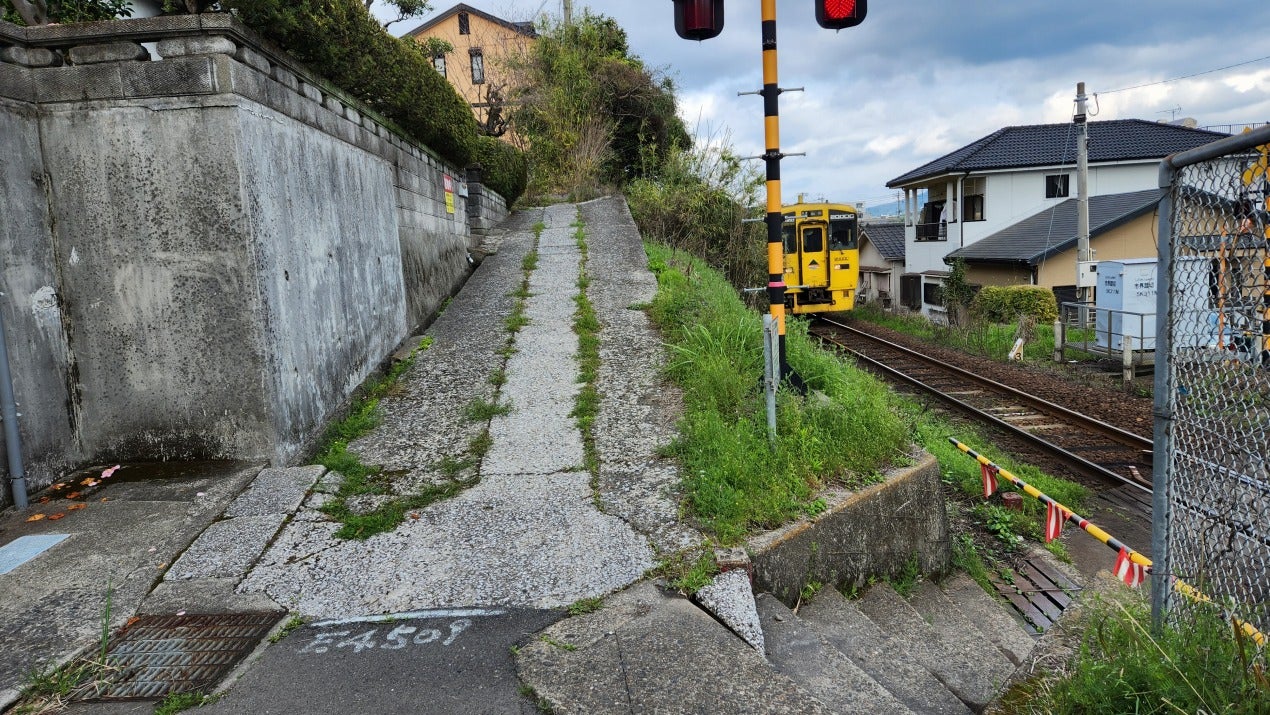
[586, 325]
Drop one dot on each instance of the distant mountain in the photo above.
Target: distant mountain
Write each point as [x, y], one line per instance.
[892, 209]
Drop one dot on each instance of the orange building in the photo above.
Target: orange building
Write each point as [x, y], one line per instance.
[476, 66]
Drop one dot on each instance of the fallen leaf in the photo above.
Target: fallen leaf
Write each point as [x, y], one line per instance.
[55, 517]
[131, 621]
[75, 507]
[107, 473]
[45, 500]
[87, 482]
[94, 482]
[35, 517]
[72, 495]
[414, 515]
[163, 565]
[59, 485]
[105, 499]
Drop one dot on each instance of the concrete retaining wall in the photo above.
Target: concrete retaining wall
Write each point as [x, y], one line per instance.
[206, 248]
[870, 533]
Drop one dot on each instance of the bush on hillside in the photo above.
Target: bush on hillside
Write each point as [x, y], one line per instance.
[341, 41]
[1004, 304]
[504, 167]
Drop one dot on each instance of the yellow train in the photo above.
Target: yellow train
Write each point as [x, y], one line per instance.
[822, 257]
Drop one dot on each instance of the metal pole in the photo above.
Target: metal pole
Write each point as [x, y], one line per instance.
[9, 412]
[1083, 254]
[771, 373]
[775, 219]
[1163, 408]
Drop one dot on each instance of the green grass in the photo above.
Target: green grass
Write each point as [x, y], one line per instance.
[586, 325]
[585, 605]
[990, 340]
[687, 571]
[1196, 664]
[736, 481]
[287, 629]
[482, 410]
[178, 702]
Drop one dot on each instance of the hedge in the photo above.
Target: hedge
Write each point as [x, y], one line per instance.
[1004, 304]
[505, 168]
[341, 41]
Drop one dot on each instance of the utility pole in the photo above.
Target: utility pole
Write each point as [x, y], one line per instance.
[568, 12]
[1084, 293]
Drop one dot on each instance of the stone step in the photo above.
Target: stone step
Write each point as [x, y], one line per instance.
[650, 651]
[797, 650]
[884, 658]
[972, 672]
[997, 621]
[953, 626]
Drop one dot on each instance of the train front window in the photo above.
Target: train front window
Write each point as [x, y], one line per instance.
[813, 240]
[842, 234]
[790, 237]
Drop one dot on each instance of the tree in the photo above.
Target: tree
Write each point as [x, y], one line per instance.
[43, 12]
[406, 9]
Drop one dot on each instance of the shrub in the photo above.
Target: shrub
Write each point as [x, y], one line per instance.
[341, 41]
[1004, 304]
[505, 168]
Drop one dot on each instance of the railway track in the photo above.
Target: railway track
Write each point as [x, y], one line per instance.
[1089, 447]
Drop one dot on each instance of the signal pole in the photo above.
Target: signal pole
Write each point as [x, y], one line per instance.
[772, 157]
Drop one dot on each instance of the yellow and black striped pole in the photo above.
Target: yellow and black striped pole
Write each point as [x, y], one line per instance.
[772, 156]
[1265, 310]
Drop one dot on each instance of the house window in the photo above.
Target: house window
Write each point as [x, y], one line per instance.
[910, 292]
[439, 63]
[465, 27]
[478, 66]
[1056, 186]
[972, 206]
[933, 293]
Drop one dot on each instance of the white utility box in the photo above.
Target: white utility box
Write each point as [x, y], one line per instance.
[1126, 303]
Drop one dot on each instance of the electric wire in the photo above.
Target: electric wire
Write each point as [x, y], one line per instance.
[1189, 76]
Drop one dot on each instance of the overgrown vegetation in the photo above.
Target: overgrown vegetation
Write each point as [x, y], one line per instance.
[586, 325]
[590, 113]
[1005, 304]
[1197, 663]
[735, 480]
[42, 12]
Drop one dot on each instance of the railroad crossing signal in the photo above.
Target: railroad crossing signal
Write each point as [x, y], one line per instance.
[698, 19]
[839, 14]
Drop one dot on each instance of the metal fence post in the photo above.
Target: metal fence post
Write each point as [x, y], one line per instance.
[1163, 405]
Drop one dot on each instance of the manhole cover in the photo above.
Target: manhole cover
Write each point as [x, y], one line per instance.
[1038, 592]
[154, 656]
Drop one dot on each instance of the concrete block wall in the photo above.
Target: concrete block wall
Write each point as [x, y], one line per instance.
[206, 247]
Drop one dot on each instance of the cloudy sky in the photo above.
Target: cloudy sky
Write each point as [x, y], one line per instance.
[920, 78]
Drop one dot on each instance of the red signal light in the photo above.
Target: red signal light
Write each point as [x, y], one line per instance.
[698, 19]
[837, 14]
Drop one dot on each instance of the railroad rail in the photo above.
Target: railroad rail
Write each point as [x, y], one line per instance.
[1093, 448]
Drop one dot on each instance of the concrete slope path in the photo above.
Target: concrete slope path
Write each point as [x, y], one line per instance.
[528, 534]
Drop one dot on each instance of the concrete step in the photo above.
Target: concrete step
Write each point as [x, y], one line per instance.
[884, 658]
[972, 670]
[650, 651]
[797, 650]
[997, 621]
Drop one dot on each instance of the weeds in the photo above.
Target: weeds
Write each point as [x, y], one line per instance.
[586, 406]
[481, 410]
[1195, 663]
[911, 575]
[287, 629]
[585, 605]
[686, 574]
[178, 702]
[558, 644]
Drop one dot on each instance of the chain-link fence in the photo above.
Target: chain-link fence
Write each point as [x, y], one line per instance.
[1212, 397]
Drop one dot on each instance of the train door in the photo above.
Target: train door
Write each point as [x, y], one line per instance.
[813, 259]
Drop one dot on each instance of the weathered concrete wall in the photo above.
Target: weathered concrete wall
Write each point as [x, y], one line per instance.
[30, 303]
[206, 250]
[871, 533]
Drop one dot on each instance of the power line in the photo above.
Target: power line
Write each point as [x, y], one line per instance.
[1175, 79]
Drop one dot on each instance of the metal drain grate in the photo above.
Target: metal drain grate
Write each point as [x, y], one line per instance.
[155, 656]
[1038, 592]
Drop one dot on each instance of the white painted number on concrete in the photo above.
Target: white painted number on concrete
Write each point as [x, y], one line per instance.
[396, 639]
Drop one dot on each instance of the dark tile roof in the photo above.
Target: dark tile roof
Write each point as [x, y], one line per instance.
[1055, 145]
[887, 237]
[1053, 230]
[524, 28]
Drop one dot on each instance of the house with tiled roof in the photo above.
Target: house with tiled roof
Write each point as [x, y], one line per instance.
[881, 262]
[482, 42]
[1015, 174]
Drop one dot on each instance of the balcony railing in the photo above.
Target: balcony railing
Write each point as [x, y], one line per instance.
[937, 231]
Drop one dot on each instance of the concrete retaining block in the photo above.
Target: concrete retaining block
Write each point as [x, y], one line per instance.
[875, 532]
[107, 52]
